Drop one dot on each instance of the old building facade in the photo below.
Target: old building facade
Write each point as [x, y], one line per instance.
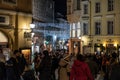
[15, 18]
[100, 22]
[73, 17]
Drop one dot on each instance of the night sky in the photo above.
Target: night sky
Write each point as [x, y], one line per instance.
[60, 6]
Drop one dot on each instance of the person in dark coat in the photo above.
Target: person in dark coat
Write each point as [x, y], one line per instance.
[45, 66]
[28, 73]
[21, 63]
[2, 69]
[114, 68]
[115, 72]
[92, 65]
[55, 66]
[80, 70]
[12, 67]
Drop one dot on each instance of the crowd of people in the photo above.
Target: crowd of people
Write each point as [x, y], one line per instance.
[60, 65]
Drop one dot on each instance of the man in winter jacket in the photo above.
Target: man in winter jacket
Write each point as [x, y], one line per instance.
[80, 70]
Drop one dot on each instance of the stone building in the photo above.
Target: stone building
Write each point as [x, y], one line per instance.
[73, 17]
[99, 21]
[15, 18]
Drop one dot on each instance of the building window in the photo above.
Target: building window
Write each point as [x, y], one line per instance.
[110, 5]
[74, 30]
[85, 8]
[69, 10]
[97, 7]
[78, 4]
[97, 28]
[78, 29]
[85, 28]
[110, 27]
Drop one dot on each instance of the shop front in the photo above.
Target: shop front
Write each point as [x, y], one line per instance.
[98, 48]
[75, 46]
[106, 48]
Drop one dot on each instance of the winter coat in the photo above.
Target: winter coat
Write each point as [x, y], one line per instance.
[45, 68]
[28, 75]
[115, 72]
[12, 69]
[2, 71]
[93, 67]
[80, 71]
[63, 75]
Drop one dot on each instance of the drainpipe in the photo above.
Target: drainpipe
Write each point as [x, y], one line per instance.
[16, 38]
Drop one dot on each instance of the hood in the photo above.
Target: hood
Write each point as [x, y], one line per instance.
[78, 63]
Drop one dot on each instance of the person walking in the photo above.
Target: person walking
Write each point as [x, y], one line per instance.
[45, 66]
[12, 70]
[2, 66]
[80, 70]
[63, 68]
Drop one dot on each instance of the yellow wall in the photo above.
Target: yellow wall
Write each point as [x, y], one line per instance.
[22, 12]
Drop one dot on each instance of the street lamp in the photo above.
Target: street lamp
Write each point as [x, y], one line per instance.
[32, 26]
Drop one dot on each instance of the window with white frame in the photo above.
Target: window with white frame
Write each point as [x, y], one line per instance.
[85, 9]
[85, 28]
[110, 5]
[97, 7]
[110, 27]
[97, 28]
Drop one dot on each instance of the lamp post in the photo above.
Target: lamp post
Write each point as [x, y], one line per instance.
[32, 26]
[90, 17]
